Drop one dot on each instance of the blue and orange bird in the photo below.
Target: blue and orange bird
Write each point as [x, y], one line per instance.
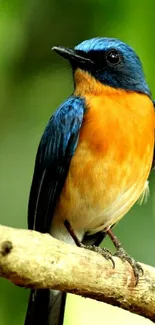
[94, 157]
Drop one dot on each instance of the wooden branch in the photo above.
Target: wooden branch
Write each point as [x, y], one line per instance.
[35, 260]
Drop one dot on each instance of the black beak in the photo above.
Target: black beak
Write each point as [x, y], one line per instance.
[72, 55]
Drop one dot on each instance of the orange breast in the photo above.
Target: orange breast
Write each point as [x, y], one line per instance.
[113, 159]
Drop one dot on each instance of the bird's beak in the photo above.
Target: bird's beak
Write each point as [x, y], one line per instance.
[72, 55]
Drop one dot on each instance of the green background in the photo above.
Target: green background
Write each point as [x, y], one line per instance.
[34, 81]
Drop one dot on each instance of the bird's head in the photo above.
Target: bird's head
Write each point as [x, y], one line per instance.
[110, 61]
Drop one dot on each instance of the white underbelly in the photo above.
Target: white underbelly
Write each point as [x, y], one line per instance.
[90, 219]
[114, 212]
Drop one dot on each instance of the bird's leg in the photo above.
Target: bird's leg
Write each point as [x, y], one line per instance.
[72, 233]
[103, 251]
[121, 253]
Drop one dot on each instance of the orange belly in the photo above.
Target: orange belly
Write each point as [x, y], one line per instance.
[110, 167]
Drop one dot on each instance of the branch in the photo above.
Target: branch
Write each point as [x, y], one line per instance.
[35, 260]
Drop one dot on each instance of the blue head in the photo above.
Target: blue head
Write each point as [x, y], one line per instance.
[110, 61]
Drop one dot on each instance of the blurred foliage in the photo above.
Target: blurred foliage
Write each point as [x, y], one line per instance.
[34, 81]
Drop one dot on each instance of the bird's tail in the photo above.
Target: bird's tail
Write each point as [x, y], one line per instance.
[45, 307]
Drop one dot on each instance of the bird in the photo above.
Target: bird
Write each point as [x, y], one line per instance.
[94, 157]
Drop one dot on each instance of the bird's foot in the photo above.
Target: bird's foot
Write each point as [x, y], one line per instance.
[121, 253]
[137, 269]
[102, 251]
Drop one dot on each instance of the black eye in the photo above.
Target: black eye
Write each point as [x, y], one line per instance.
[113, 57]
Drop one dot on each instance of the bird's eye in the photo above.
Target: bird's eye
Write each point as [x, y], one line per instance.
[113, 57]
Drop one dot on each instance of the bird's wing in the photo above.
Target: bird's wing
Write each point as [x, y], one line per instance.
[55, 151]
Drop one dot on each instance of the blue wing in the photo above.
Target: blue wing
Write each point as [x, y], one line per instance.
[56, 148]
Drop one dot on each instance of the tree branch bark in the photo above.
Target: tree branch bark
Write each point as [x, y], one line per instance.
[34, 260]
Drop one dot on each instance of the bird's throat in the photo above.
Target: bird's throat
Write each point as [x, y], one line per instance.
[86, 84]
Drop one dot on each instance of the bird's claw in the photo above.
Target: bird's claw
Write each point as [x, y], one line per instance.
[102, 251]
[137, 269]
